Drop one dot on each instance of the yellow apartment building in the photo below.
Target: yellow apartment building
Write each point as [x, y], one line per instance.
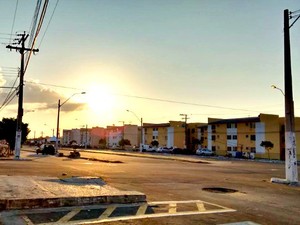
[170, 134]
[243, 136]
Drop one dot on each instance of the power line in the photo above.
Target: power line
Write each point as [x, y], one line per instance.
[48, 23]
[13, 24]
[42, 16]
[53, 85]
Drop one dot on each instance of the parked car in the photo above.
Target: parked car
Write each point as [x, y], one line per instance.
[46, 149]
[205, 151]
[162, 149]
[177, 151]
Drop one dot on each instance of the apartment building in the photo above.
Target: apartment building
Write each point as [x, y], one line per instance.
[170, 134]
[114, 135]
[245, 135]
[131, 133]
[97, 133]
[84, 136]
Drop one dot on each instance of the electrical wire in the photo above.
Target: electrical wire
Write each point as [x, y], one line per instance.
[34, 22]
[42, 16]
[13, 24]
[10, 96]
[48, 23]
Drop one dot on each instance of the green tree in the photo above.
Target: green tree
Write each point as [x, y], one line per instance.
[8, 131]
[154, 143]
[268, 146]
[102, 143]
[124, 142]
[196, 142]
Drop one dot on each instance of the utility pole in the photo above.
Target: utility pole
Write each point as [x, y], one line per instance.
[86, 131]
[22, 51]
[185, 130]
[290, 140]
[123, 131]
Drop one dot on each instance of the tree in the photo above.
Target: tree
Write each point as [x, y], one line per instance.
[102, 143]
[268, 146]
[154, 143]
[195, 142]
[124, 142]
[8, 131]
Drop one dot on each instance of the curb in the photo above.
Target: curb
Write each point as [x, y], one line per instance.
[13, 204]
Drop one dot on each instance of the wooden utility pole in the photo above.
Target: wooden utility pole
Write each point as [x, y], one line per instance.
[187, 143]
[22, 51]
[290, 140]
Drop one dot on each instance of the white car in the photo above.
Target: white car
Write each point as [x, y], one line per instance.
[205, 151]
[162, 149]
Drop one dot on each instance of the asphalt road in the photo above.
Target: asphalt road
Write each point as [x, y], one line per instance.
[255, 199]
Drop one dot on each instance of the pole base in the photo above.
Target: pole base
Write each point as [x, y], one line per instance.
[284, 181]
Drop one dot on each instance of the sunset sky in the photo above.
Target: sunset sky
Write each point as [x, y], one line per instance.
[204, 58]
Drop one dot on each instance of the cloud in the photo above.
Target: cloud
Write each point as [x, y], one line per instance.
[47, 98]
[38, 97]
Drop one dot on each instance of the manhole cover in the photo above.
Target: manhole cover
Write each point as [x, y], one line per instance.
[219, 190]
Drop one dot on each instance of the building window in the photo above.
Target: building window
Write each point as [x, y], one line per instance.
[252, 125]
[235, 149]
[155, 129]
[228, 137]
[213, 137]
[213, 148]
[193, 130]
[234, 137]
[231, 125]
[253, 150]
[247, 135]
[228, 148]
[252, 137]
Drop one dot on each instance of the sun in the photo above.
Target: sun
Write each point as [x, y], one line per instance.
[100, 98]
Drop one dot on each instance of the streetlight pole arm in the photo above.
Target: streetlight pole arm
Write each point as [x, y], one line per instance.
[134, 114]
[60, 105]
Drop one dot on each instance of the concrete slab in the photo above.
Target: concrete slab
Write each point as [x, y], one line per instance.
[23, 192]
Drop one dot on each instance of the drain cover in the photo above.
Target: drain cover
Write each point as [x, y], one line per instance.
[219, 190]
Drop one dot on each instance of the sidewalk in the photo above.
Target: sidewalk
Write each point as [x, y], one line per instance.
[23, 192]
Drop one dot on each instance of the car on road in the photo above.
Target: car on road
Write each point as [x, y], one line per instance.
[204, 151]
[46, 149]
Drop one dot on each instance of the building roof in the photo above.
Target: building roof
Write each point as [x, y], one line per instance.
[237, 120]
[150, 125]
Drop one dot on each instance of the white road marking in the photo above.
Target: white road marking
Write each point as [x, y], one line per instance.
[172, 208]
[107, 212]
[142, 209]
[27, 220]
[69, 216]
[165, 209]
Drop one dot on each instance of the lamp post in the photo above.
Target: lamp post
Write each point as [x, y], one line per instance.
[275, 87]
[59, 105]
[291, 171]
[142, 138]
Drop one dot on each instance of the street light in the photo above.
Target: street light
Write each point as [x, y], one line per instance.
[275, 87]
[142, 139]
[291, 171]
[58, 112]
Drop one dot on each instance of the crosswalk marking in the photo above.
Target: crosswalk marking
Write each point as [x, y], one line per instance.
[142, 209]
[119, 212]
[27, 220]
[172, 208]
[69, 215]
[108, 212]
[200, 206]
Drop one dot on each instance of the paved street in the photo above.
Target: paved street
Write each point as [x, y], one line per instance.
[255, 199]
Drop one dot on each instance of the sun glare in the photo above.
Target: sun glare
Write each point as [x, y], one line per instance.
[100, 98]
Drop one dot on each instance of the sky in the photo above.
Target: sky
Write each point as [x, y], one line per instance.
[157, 59]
